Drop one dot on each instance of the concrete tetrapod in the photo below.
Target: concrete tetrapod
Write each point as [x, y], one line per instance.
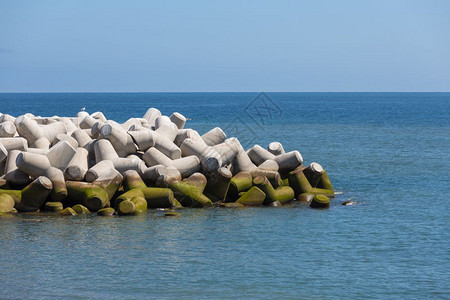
[300, 184]
[283, 194]
[186, 165]
[155, 197]
[87, 194]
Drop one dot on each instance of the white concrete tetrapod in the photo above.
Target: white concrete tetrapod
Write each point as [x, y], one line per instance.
[119, 138]
[37, 165]
[214, 136]
[185, 165]
[178, 119]
[151, 115]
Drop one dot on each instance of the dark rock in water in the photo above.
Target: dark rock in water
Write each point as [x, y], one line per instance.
[349, 202]
[275, 204]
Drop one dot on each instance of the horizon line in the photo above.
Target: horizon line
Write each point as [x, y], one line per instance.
[197, 92]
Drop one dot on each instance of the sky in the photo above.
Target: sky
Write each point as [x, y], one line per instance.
[224, 46]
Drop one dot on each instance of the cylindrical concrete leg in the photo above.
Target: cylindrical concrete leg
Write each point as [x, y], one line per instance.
[81, 137]
[178, 119]
[33, 164]
[159, 197]
[320, 201]
[6, 203]
[121, 141]
[143, 139]
[52, 130]
[90, 195]
[132, 180]
[166, 146]
[59, 191]
[167, 175]
[258, 155]
[151, 115]
[313, 173]
[123, 164]
[14, 143]
[7, 129]
[101, 169]
[214, 137]
[104, 150]
[153, 157]
[198, 180]
[276, 148]
[217, 187]
[289, 161]
[126, 207]
[169, 131]
[12, 174]
[87, 122]
[189, 196]
[187, 165]
[78, 166]
[240, 182]
[28, 129]
[35, 194]
[242, 162]
[273, 176]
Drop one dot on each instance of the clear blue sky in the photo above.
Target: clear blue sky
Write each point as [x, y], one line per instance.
[76, 46]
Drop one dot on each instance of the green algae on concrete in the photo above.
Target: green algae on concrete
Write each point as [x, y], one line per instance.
[53, 206]
[320, 201]
[81, 209]
[283, 194]
[87, 194]
[6, 203]
[300, 184]
[241, 182]
[189, 195]
[106, 212]
[253, 197]
[68, 211]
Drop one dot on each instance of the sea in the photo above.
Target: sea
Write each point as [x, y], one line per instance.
[389, 153]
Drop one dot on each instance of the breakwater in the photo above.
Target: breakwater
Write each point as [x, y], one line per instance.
[87, 163]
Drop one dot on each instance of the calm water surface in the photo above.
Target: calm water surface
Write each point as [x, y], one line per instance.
[386, 151]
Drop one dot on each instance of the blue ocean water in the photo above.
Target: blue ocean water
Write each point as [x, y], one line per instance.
[389, 152]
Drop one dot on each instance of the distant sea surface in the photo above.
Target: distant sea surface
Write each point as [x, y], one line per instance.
[388, 152]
